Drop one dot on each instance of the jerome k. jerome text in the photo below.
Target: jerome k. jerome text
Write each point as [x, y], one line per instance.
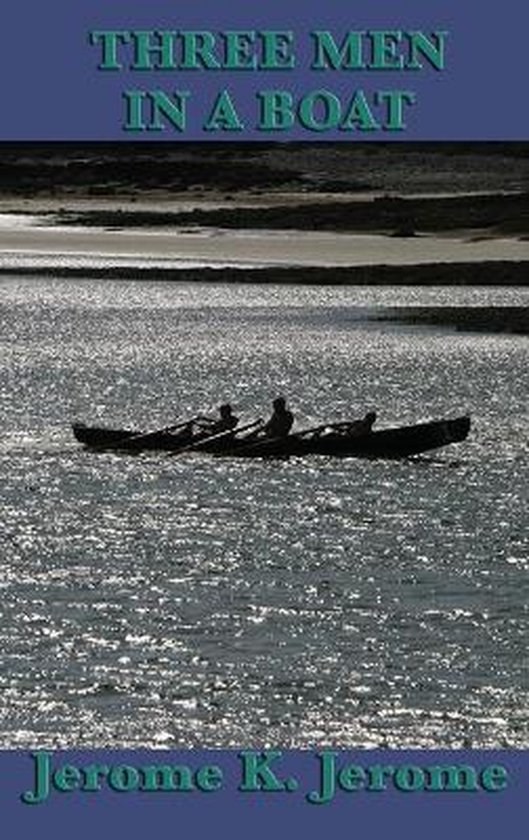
[319, 777]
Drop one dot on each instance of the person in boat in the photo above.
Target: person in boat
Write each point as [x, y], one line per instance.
[357, 428]
[225, 422]
[280, 422]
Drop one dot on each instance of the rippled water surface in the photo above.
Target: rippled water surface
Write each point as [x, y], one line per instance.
[192, 601]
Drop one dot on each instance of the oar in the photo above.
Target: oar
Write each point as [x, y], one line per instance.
[264, 442]
[313, 430]
[143, 435]
[339, 425]
[219, 436]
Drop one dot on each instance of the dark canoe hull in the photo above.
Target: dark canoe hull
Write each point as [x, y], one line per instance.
[399, 442]
[126, 440]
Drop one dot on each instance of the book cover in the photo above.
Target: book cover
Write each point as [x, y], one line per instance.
[263, 277]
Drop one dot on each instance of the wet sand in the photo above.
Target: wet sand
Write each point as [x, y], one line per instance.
[388, 214]
[219, 248]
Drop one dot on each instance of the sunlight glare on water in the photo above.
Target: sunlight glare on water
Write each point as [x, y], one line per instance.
[216, 602]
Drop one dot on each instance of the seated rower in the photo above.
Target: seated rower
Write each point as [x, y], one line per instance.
[281, 420]
[359, 428]
[225, 422]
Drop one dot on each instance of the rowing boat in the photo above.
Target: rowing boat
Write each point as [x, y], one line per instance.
[398, 442]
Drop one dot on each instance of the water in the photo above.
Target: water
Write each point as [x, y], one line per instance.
[193, 601]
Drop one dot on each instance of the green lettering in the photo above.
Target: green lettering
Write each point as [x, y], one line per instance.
[347, 56]
[173, 109]
[110, 40]
[384, 50]
[198, 50]
[134, 100]
[66, 778]
[494, 778]
[145, 51]
[351, 777]
[42, 763]
[276, 50]
[432, 49]
[359, 115]
[92, 773]
[209, 778]
[257, 774]
[329, 105]
[452, 778]
[376, 775]
[276, 110]
[223, 115]
[184, 778]
[239, 47]
[123, 778]
[158, 778]
[395, 101]
[409, 778]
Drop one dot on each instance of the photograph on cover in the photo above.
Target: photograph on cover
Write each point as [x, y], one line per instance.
[264, 450]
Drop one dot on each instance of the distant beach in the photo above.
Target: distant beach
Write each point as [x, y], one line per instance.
[322, 214]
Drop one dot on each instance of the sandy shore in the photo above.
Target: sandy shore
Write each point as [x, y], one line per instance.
[414, 214]
[223, 248]
[321, 186]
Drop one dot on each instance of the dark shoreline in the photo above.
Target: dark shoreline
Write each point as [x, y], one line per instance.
[125, 168]
[399, 188]
[494, 214]
[490, 273]
[495, 319]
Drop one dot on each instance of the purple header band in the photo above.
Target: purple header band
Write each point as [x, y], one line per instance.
[52, 88]
[231, 812]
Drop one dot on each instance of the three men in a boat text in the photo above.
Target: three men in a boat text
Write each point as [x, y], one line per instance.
[276, 109]
[262, 772]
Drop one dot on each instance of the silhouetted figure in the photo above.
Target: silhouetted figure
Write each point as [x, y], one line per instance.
[359, 428]
[281, 421]
[224, 423]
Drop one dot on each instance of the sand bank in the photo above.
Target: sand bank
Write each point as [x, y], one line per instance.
[217, 248]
